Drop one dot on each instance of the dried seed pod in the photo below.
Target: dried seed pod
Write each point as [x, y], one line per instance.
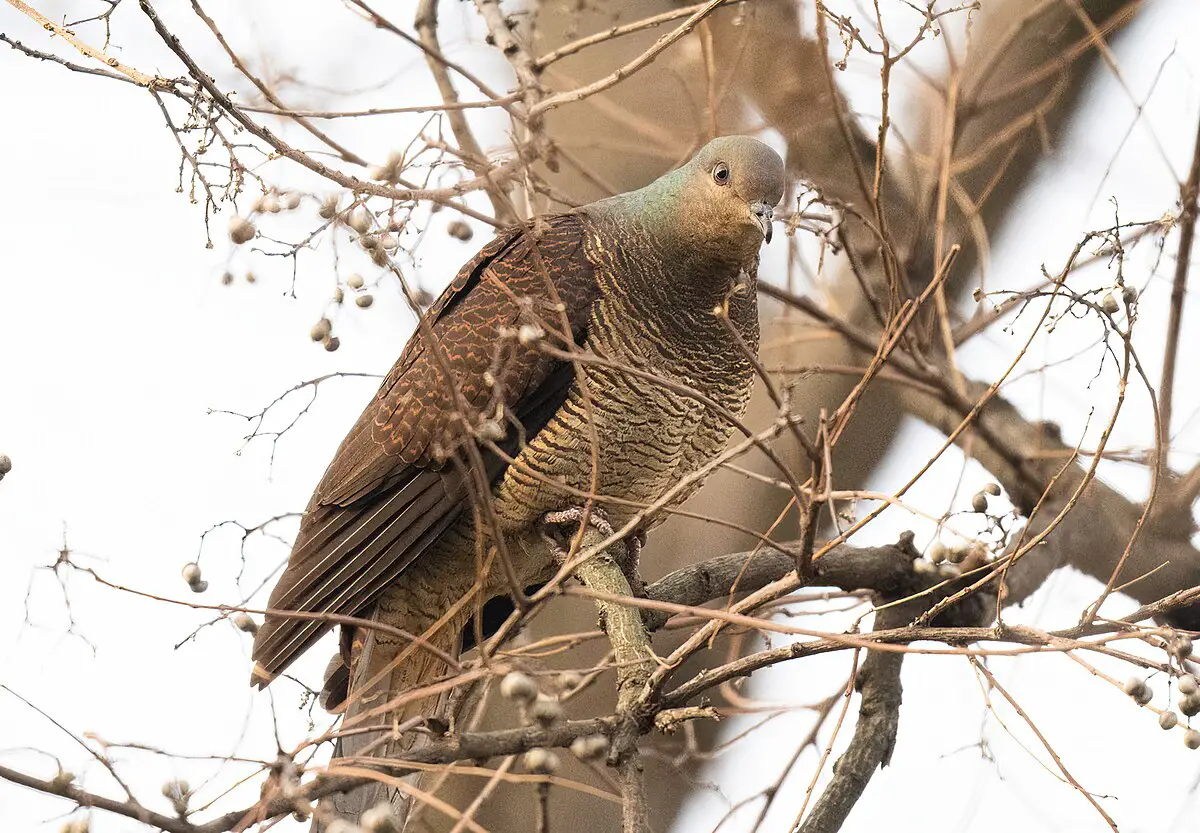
[370, 242]
[516, 686]
[328, 209]
[360, 221]
[992, 489]
[355, 281]
[542, 761]
[63, 779]
[1168, 720]
[589, 747]
[5, 464]
[241, 230]
[365, 301]
[191, 572]
[1188, 684]
[244, 623]
[321, 330]
[1109, 304]
[1189, 705]
[379, 256]
[957, 554]
[291, 201]
[270, 204]
[1182, 645]
[1129, 295]
[379, 819]
[1191, 739]
[388, 241]
[459, 230]
[545, 710]
[332, 344]
[979, 502]
[176, 788]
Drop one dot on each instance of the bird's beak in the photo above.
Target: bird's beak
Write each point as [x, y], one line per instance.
[762, 213]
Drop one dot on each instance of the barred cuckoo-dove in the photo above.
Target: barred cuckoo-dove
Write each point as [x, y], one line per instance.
[484, 427]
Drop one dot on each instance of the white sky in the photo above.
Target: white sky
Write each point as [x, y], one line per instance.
[118, 337]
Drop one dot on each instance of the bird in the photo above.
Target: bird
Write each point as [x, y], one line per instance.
[559, 368]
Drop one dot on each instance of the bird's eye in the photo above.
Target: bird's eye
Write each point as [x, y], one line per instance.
[721, 173]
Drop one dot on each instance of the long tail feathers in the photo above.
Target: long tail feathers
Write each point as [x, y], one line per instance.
[383, 668]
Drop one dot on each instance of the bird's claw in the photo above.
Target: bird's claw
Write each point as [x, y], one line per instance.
[598, 520]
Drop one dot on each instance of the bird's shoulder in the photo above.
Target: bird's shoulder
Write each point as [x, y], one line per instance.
[538, 276]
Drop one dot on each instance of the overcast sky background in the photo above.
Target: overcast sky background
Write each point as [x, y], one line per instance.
[117, 338]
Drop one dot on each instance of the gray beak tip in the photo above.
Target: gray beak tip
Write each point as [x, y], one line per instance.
[763, 215]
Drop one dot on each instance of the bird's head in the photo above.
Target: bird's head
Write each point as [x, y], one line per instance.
[729, 192]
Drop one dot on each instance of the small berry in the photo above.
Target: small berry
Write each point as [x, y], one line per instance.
[251, 278]
[1129, 295]
[542, 761]
[977, 294]
[379, 819]
[992, 489]
[227, 279]
[517, 686]
[355, 281]
[956, 555]
[1108, 303]
[244, 623]
[360, 221]
[328, 209]
[570, 680]
[191, 572]
[529, 333]
[1182, 646]
[388, 241]
[332, 344]
[459, 230]
[270, 204]
[1191, 739]
[365, 301]
[321, 330]
[1144, 696]
[1168, 720]
[1188, 684]
[199, 586]
[937, 552]
[241, 230]
[979, 502]
[291, 201]
[545, 710]
[1189, 705]
[338, 295]
[589, 747]
[5, 464]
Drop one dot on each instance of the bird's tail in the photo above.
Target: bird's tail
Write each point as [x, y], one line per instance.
[389, 677]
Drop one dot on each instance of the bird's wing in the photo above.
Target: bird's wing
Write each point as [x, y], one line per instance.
[387, 494]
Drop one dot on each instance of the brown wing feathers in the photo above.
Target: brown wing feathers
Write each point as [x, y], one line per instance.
[387, 496]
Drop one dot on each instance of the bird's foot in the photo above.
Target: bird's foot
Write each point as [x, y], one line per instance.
[555, 524]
